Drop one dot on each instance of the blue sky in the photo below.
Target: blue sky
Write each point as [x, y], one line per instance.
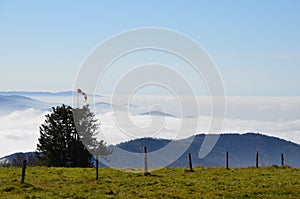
[255, 44]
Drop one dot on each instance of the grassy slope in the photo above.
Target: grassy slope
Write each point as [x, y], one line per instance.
[42, 182]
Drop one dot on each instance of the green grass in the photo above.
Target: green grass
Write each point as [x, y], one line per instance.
[43, 182]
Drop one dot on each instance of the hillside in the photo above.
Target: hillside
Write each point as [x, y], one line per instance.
[242, 149]
[9, 158]
[9, 103]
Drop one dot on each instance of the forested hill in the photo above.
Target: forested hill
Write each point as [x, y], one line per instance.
[241, 147]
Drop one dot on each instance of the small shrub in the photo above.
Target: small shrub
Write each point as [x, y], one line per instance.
[9, 189]
[274, 166]
[285, 166]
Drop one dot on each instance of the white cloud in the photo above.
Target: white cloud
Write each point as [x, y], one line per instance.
[19, 131]
[289, 130]
[275, 116]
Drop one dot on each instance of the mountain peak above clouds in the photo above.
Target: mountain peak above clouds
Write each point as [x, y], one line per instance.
[14, 102]
[157, 113]
[43, 93]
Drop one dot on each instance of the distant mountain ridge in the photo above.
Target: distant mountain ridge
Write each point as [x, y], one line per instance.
[10, 103]
[9, 158]
[157, 113]
[37, 93]
[21, 100]
[241, 147]
[42, 93]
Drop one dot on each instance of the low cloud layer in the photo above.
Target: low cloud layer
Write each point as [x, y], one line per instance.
[275, 116]
[114, 133]
[19, 131]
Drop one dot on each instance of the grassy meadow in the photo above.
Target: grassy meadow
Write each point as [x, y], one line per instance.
[44, 182]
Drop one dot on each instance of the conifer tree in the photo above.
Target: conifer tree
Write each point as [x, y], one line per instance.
[64, 144]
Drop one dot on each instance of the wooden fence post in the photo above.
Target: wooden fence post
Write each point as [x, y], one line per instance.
[190, 162]
[256, 159]
[23, 171]
[227, 166]
[146, 172]
[282, 159]
[97, 166]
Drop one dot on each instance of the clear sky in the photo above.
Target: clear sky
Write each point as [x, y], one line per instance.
[255, 44]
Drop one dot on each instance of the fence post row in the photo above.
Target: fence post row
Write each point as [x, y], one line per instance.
[146, 164]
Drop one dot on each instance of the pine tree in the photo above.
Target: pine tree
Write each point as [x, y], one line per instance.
[62, 143]
[87, 127]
